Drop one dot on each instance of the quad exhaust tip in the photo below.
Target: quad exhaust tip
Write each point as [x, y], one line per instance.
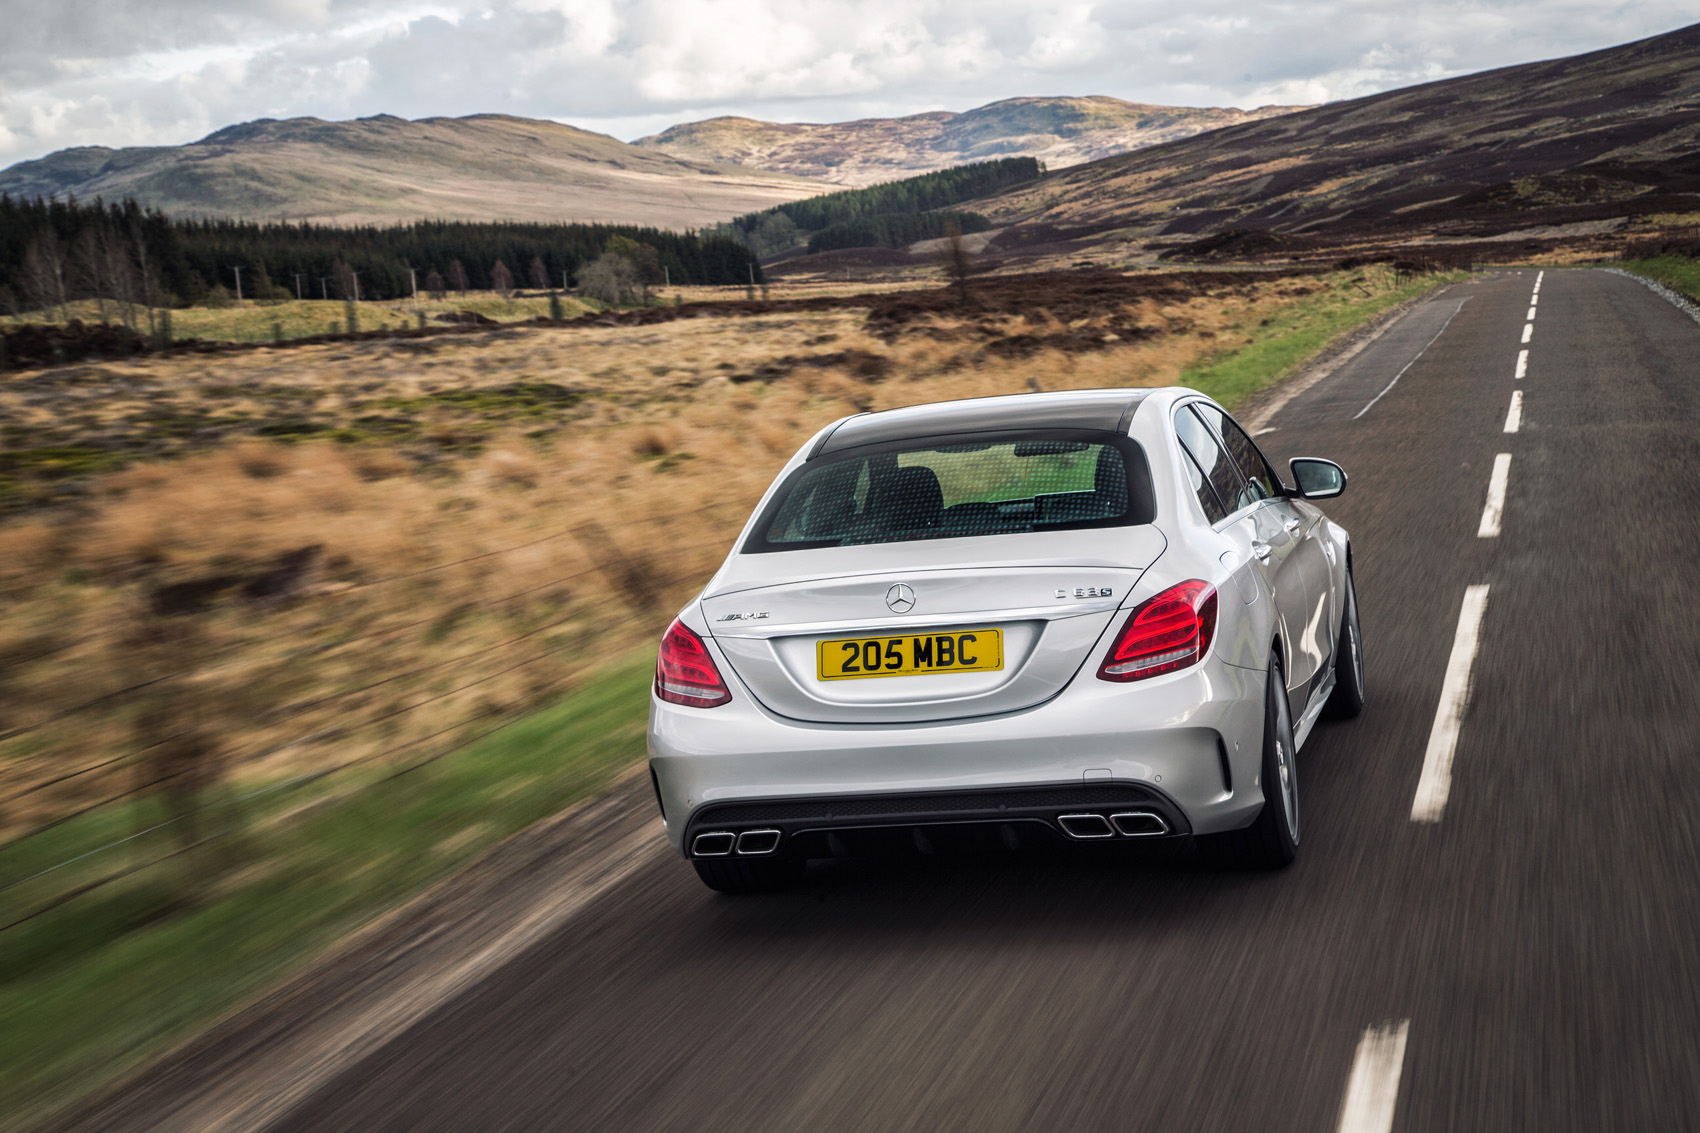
[1129, 824]
[1139, 824]
[1085, 826]
[758, 841]
[716, 844]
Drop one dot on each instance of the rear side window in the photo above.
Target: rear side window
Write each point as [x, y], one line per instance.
[954, 487]
[1207, 497]
[1201, 444]
[1245, 453]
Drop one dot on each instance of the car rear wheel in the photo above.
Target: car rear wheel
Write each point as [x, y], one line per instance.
[1347, 699]
[1272, 841]
[740, 875]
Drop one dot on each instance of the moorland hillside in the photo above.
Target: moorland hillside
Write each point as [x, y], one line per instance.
[1058, 131]
[1590, 139]
[382, 169]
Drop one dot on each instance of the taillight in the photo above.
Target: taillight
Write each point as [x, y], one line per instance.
[1165, 633]
[685, 673]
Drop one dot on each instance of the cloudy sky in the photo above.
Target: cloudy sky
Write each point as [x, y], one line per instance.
[150, 72]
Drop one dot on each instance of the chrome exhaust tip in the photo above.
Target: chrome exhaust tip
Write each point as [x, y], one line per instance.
[1139, 824]
[716, 844]
[1085, 826]
[758, 841]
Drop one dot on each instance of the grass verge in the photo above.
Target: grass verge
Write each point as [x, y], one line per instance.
[1282, 343]
[1679, 273]
[94, 987]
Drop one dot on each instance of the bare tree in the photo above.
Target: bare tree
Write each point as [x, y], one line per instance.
[539, 274]
[345, 280]
[147, 289]
[46, 274]
[434, 284]
[957, 261]
[88, 267]
[457, 277]
[501, 279]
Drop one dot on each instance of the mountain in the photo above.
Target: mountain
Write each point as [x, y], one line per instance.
[1058, 131]
[484, 167]
[1607, 134]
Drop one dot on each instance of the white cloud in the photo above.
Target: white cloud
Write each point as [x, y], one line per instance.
[141, 72]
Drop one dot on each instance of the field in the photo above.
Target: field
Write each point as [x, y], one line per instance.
[274, 320]
[246, 590]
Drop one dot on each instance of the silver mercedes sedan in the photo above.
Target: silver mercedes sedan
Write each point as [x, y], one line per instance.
[1090, 617]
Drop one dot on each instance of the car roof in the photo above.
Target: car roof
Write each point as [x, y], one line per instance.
[1101, 409]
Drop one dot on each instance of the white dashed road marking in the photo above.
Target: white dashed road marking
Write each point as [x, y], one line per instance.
[1528, 332]
[1436, 782]
[1372, 1092]
[1497, 482]
[1531, 315]
[1522, 362]
[1514, 415]
[1540, 275]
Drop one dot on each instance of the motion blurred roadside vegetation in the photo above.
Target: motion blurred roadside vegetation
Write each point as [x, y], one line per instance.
[280, 622]
[1673, 261]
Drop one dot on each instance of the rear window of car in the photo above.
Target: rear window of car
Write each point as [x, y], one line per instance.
[956, 487]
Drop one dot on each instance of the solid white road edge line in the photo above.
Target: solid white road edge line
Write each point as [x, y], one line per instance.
[1372, 1091]
[1494, 510]
[1528, 330]
[1514, 415]
[1522, 362]
[1436, 782]
[1413, 361]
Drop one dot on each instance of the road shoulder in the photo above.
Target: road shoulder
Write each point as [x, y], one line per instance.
[249, 1070]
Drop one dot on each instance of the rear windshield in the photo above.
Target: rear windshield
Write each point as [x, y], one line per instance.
[952, 487]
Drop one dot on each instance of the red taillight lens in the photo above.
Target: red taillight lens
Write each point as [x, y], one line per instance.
[1165, 633]
[685, 673]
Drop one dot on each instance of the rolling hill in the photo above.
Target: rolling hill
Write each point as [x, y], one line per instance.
[1589, 138]
[1058, 131]
[383, 169]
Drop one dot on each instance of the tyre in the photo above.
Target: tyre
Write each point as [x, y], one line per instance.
[741, 875]
[1347, 699]
[1272, 841]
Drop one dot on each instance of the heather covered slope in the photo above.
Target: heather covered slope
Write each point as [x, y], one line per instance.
[1057, 131]
[1608, 134]
[485, 167]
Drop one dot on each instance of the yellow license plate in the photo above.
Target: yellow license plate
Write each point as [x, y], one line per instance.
[959, 651]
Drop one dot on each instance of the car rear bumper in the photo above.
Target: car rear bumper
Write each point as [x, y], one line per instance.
[1186, 748]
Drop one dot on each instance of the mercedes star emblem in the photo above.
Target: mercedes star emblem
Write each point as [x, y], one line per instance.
[900, 598]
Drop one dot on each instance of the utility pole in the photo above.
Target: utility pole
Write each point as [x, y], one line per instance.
[356, 277]
[298, 286]
[413, 280]
[666, 276]
[238, 272]
[325, 288]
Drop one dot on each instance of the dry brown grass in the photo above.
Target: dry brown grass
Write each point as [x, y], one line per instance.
[473, 562]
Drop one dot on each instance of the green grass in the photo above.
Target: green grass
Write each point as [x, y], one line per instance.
[1679, 273]
[90, 989]
[1298, 332]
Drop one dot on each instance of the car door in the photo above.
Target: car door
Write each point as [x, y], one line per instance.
[1313, 643]
[1269, 535]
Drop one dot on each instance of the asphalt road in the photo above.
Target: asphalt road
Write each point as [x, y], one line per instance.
[1534, 943]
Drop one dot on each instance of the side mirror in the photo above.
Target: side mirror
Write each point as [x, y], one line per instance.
[1317, 479]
